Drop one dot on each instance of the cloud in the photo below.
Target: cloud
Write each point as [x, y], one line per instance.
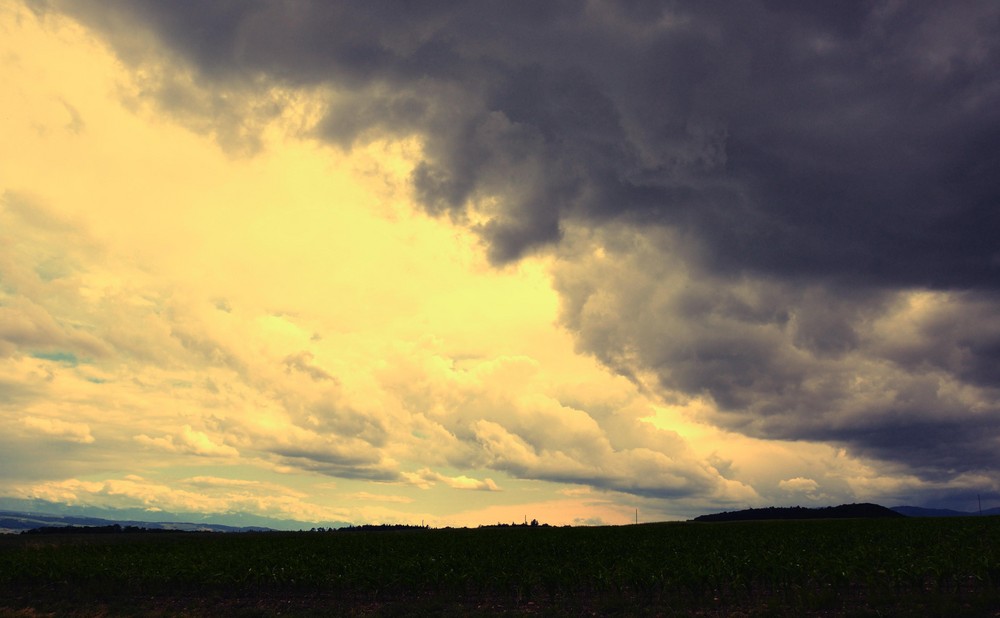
[200, 443]
[785, 213]
[426, 478]
[890, 373]
[198, 497]
[33, 267]
[69, 431]
[799, 484]
[215, 481]
[494, 414]
[370, 497]
[303, 362]
[188, 441]
[799, 488]
[850, 143]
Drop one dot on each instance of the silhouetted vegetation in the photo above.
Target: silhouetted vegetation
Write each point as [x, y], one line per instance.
[533, 524]
[112, 529]
[373, 528]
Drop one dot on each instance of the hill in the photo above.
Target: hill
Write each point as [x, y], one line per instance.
[23, 514]
[844, 511]
[13, 521]
[917, 511]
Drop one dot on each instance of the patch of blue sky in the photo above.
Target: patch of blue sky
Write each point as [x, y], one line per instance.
[52, 269]
[66, 358]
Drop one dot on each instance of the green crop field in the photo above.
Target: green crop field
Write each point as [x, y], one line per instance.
[915, 567]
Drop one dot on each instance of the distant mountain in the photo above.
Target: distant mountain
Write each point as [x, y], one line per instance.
[917, 511]
[18, 514]
[13, 521]
[844, 511]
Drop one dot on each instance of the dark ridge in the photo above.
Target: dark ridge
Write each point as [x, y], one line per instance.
[112, 529]
[844, 511]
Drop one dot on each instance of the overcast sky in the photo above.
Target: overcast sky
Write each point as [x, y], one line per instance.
[468, 262]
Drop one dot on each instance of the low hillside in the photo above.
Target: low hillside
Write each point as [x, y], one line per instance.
[844, 511]
[15, 522]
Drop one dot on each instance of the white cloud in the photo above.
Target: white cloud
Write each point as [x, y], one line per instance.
[188, 441]
[426, 478]
[799, 485]
[199, 443]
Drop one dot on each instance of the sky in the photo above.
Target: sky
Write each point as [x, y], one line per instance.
[460, 263]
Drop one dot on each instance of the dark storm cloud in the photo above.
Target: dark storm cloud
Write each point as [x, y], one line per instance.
[897, 375]
[787, 173]
[855, 140]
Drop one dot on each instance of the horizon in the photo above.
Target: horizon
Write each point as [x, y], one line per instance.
[237, 521]
[456, 264]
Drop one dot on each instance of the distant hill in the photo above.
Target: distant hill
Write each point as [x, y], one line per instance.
[35, 509]
[844, 511]
[917, 511]
[13, 521]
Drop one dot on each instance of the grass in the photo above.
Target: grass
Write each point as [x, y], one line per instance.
[918, 567]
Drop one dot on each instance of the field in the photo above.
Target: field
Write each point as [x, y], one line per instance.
[918, 567]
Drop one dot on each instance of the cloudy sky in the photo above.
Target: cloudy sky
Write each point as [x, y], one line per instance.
[469, 262]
